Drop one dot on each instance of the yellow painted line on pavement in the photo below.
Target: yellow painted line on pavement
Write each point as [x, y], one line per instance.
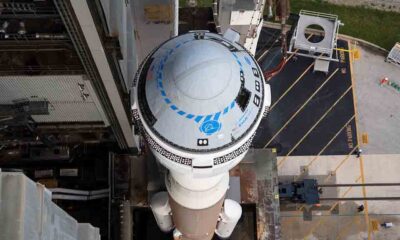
[307, 167]
[313, 127]
[301, 108]
[359, 140]
[330, 210]
[291, 86]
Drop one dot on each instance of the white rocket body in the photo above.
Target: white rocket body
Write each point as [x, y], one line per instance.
[198, 100]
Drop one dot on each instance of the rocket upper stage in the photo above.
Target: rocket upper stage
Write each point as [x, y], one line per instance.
[200, 94]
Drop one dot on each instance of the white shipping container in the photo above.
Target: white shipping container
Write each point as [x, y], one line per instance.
[20, 209]
[28, 213]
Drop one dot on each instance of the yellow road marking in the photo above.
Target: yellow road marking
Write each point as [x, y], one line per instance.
[291, 86]
[359, 140]
[326, 146]
[314, 126]
[340, 164]
[330, 210]
[301, 108]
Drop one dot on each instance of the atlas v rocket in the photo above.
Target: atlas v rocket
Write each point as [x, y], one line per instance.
[198, 101]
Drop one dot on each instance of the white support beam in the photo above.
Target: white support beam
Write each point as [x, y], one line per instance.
[92, 37]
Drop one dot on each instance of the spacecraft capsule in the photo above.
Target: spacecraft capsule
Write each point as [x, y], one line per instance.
[199, 99]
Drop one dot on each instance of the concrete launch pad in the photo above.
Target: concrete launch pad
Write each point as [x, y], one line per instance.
[310, 111]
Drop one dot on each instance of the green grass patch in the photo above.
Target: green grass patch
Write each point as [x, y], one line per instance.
[379, 27]
[200, 3]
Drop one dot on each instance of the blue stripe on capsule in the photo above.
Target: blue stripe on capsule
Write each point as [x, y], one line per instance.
[208, 118]
[181, 113]
[232, 104]
[173, 107]
[226, 110]
[190, 116]
[163, 93]
[217, 115]
[198, 118]
[167, 100]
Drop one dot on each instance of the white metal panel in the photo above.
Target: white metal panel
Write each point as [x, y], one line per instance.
[53, 88]
[115, 6]
[120, 23]
[96, 101]
[46, 217]
[71, 97]
[123, 41]
[150, 35]
[27, 212]
[122, 29]
[20, 208]
[70, 112]
[87, 232]
[394, 55]
[106, 10]
[131, 59]
[81, 9]
[245, 17]
[251, 42]
[62, 224]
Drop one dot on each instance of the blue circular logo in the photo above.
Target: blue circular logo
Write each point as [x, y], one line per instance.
[210, 127]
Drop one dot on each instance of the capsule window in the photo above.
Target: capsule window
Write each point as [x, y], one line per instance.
[243, 98]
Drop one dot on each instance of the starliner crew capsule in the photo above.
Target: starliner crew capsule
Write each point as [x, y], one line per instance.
[198, 100]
